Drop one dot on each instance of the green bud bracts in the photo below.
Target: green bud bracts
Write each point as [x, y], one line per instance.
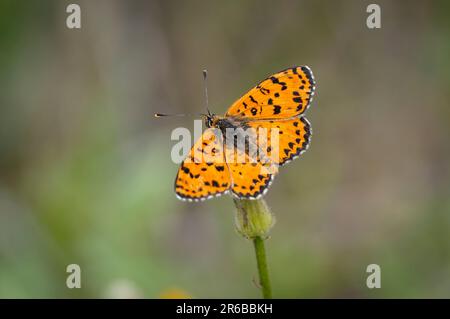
[253, 218]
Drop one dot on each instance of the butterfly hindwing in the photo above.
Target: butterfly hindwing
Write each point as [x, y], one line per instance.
[284, 140]
[283, 95]
[250, 176]
[204, 173]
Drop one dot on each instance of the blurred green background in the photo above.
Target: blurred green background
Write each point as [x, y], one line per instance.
[86, 175]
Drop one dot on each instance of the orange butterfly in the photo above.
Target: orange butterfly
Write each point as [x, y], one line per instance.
[276, 103]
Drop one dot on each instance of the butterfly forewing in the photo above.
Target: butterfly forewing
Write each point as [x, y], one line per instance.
[204, 173]
[283, 95]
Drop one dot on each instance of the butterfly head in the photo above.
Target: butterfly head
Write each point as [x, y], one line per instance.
[210, 119]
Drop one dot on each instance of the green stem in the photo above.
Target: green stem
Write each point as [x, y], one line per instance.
[262, 267]
[254, 221]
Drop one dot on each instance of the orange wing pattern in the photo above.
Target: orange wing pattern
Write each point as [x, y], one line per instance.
[250, 178]
[204, 173]
[213, 167]
[282, 95]
[293, 138]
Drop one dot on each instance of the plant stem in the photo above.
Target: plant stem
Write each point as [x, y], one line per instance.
[254, 221]
[263, 271]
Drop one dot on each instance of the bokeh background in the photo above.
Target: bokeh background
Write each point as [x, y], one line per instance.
[86, 175]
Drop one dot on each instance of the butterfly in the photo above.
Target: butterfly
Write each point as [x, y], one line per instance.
[277, 103]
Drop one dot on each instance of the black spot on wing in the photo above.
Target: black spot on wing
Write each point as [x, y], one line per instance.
[276, 109]
[274, 80]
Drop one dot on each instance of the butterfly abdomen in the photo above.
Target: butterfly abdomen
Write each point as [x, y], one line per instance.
[230, 123]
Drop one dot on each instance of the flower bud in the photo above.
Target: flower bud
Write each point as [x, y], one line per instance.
[253, 218]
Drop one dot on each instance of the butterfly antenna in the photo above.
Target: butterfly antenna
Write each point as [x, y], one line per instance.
[205, 79]
[205, 82]
[164, 114]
